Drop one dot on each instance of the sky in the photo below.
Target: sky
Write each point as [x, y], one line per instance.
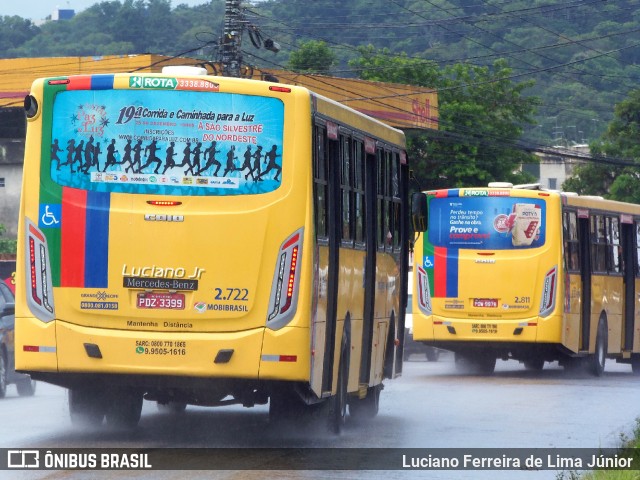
[39, 9]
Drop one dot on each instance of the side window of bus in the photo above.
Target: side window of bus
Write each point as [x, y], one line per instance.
[358, 188]
[637, 227]
[320, 182]
[598, 244]
[381, 213]
[346, 188]
[571, 244]
[388, 200]
[613, 245]
[396, 200]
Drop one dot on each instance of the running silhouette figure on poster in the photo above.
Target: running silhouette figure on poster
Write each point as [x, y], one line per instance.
[137, 154]
[186, 156]
[111, 155]
[71, 146]
[271, 156]
[169, 163]
[194, 166]
[55, 148]
[150, 151]
[255, 171]
[210, 155]
[126, 158]
[230, 158]
[88, 156]
[95, 161]
[247, 163]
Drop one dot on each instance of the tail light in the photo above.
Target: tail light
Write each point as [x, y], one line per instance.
[424, 296]
[549, 290]
[284, 292]
[40, 288]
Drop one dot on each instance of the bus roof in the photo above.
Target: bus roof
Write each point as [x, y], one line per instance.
[591, 202]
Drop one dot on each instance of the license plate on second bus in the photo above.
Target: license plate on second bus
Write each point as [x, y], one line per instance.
[161, 300]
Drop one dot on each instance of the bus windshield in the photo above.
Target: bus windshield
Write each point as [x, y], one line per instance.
[161, 142]
[486, 223]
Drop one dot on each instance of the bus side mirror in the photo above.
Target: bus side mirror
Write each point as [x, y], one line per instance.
[419, 211]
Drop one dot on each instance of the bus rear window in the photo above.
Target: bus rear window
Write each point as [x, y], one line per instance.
[486, 223]
[167, 142]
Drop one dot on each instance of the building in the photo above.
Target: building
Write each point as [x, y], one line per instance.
[557, 164]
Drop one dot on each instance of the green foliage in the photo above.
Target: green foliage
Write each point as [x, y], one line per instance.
[312, 57]
[620, 141]
[481, 114]
[7, 245]
[120, 28]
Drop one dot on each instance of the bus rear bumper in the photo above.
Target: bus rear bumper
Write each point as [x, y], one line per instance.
[59, 348]
[436, 329]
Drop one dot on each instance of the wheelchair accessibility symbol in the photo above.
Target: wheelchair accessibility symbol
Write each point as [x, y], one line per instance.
[428, 262]
[50, 215]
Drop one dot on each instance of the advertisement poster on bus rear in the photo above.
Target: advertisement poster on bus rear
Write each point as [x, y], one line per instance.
[486, 223]
[167, 142]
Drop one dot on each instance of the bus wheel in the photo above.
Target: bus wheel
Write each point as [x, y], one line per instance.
[596, 361]
[26, 387]
[286, 410]
[366, 408]
[87, 406]
[125, 409]
[485, 364]
[534, 364]
[635, 364]
[338, 403]
[3, 375]
[475, 363]
[432, 354]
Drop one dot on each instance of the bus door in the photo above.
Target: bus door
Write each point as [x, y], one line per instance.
[585, 275]
[334, 220]
[627, 233]
[326, 203]
[370, 195]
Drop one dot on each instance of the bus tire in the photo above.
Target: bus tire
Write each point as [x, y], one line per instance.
[125, 409]
[475, 363]
[635, 364]
[26, 387]
[597, 360]
[366, 408]
[3, 375]
[338, 403]
[287, 410]
[87, 406]
[432, 354]
[535, 364]
[485, 364]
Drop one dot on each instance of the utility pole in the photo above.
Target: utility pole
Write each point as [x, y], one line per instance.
[230, 45]
[230, 54]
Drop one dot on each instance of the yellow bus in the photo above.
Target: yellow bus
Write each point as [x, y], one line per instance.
[189, 239]
[528, 274]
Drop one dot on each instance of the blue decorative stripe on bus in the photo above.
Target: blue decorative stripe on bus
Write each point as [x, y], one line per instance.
[452, 273]
[102, 82]
[97, 240]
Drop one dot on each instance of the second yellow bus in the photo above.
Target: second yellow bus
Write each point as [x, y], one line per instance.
[529, 274]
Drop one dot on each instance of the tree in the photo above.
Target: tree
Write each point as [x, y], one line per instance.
[620, 141]
[312, 57]
[7, 245]
[482, 114]
[14, 31]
